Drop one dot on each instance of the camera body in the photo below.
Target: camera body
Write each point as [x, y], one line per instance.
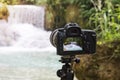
[72, 40]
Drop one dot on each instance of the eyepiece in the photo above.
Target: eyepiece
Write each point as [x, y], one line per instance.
[72, 29]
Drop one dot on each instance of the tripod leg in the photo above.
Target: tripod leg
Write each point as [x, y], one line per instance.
[63, 78]
[70, 76]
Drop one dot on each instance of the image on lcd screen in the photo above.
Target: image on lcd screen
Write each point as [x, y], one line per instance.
[72, 44]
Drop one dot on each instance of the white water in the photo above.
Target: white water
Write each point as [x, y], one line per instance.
[27, 14]
[25, 50]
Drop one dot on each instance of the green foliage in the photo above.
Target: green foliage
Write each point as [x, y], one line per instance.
[5, 1]
[106, 20]
[57, 8]
[115, 1]
[64, 13]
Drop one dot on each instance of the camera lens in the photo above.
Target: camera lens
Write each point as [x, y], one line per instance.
[53, 37]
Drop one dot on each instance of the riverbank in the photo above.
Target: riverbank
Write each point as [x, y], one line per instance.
[104, 65]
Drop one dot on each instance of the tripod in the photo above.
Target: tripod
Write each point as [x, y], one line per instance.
[66, 73]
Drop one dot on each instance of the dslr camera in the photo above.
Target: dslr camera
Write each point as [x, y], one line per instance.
[72, 40]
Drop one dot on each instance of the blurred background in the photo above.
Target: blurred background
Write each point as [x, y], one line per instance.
[103, 16]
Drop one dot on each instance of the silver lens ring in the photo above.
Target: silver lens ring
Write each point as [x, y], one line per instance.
[53, 37]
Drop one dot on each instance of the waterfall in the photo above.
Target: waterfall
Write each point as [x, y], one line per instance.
[24, 28]
[27, 14]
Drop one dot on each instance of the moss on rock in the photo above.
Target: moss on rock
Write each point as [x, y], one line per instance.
[104, 65]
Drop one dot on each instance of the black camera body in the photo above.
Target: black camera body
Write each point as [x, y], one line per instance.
[72, 40]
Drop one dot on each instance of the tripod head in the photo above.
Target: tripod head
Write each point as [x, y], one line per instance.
[66, 73]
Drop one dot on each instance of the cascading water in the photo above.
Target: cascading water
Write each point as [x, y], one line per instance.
[25, 50]
[27, 14]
